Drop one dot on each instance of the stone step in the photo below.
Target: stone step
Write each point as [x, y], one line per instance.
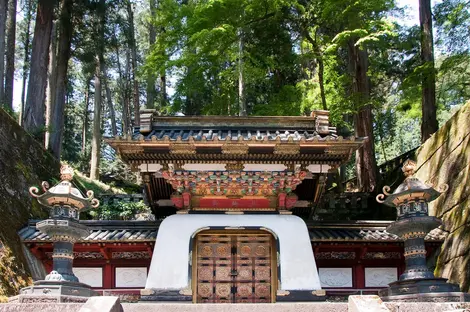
[276, 307]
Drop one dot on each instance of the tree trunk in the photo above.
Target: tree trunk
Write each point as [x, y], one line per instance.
[135, 85]
[366, 164]
[99, 66]
[26, 44]
[321, 67]
[112, 113]
[126, 125]
[10, 54]
[3, 24]
[164, 100]
[63, 56]
[34, 106]
[429, 123]
[321, 81]
[241, 81]
[123, 94]
[151, 76]
[96, 138]
[51, 83]
[85, 118]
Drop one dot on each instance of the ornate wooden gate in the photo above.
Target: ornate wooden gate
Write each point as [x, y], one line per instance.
[234, 268]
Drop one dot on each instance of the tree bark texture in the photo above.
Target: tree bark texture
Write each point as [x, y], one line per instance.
[10, 54]
[126, 123]
[366, 164]
[51, 83]
[85, 117]
[63, 56]
[3, 24]
[122, 94]
[96, 138]
[241, 81]
[99, 66]
[135, 84]
[34, 106]
[26, 44]
[429, 123]
[151, 76]
[112, 113]
[321, 67]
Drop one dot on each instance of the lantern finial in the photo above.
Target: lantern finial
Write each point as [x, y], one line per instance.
[409, 168]
[66, 173]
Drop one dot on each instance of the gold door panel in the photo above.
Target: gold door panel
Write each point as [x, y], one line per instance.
[234, 268]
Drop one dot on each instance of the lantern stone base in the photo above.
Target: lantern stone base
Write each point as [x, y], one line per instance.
[54, 292]
[424, 290]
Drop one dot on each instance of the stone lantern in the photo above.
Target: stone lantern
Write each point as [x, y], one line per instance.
[417, 283]
[65, 202]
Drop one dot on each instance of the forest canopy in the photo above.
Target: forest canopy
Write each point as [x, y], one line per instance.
[74, 72]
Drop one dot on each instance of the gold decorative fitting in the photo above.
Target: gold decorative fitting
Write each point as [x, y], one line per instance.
[181, 148]
[235, 148]
[409, 168]
[286, 149]
[282, 293]
[337, 150]
[147, 292]
[414, 235]
[186, 291]
[234, 166]
[319, 292]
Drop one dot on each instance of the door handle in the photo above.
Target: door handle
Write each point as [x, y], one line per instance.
[234, 273]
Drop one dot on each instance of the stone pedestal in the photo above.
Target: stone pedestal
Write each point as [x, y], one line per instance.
[54, 292]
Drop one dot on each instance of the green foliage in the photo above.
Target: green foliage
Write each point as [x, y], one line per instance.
[119, 210]
[13, 276]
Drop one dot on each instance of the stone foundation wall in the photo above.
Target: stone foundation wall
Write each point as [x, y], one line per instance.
[23, 163]
[445, 158]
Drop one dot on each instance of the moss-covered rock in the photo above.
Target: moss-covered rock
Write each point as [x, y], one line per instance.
[445, 158]
[23, 163]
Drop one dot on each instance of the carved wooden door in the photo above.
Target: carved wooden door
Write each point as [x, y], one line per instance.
[234, 268]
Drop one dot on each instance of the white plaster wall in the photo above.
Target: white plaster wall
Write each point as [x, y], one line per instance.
[90, 276]
[131, 277]
[380, 277]
[336, 277]
[169, 266]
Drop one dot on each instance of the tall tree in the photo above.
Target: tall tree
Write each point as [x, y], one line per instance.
[152, 38]
[366, 164]
[34, 106]
[3, 24]
[51, 83]
[63, 56]
[133, 47]
[85, 117]
[10, 54]
[109, 99]
[428, 101]
[99, 66]
[26, 41]
[241, 80]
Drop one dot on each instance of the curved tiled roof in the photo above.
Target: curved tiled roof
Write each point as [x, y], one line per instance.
[143, 231]
[235, 134]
